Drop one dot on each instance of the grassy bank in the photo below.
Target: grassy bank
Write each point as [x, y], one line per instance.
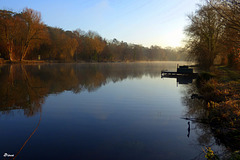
[220, 88]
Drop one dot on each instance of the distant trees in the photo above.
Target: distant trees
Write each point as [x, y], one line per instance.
[214, 32]
[23, 36]
[91, 46]
[62, 44]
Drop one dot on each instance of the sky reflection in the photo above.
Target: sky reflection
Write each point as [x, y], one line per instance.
[97, 111]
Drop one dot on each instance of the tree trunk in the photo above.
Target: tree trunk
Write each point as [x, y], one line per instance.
[25, 50]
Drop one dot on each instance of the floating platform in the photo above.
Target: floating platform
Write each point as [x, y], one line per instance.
[181, 71]
[184, 75]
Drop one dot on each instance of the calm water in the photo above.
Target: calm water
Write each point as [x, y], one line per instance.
[98, 111]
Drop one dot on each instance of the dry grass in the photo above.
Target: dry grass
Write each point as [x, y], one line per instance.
[222, 92]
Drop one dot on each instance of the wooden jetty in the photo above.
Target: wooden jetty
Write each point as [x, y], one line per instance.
[181, 71]
[184, 75]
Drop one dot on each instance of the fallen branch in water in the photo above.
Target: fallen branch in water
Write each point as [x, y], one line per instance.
[205, 121]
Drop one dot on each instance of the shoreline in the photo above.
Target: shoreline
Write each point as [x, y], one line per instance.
[80, 62]
[220, 90]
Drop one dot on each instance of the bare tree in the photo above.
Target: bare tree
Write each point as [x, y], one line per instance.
[204, 35]
[229, 10]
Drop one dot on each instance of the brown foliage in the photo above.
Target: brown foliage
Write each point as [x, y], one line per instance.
[20, 33]
[23, 36]
[35, 31]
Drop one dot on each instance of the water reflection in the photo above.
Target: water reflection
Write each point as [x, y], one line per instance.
[26, 86]
[196, 113]
[87, 114]
[181, 79]
[189, 129]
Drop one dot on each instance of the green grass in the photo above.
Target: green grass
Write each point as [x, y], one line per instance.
[227, 74]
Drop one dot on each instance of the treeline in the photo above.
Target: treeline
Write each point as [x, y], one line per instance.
[214, 33]
[23, 36]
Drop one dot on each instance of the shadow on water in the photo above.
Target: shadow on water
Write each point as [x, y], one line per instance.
[181, 79]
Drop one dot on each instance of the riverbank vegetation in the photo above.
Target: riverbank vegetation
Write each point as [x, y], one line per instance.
[23, 36]
[220, 89]
[214, 38]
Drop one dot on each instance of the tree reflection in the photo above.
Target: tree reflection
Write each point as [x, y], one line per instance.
[20, 90]
[197, 113]
[26, 86]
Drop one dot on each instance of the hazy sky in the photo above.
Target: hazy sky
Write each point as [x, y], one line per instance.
[146, 22]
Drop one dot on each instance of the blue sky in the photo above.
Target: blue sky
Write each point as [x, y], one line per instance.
[145, 22]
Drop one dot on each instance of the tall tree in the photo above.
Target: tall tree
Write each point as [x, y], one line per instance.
[21, 32]
[229, 10]
[8, 31]
[204, 35]
[35, 31]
